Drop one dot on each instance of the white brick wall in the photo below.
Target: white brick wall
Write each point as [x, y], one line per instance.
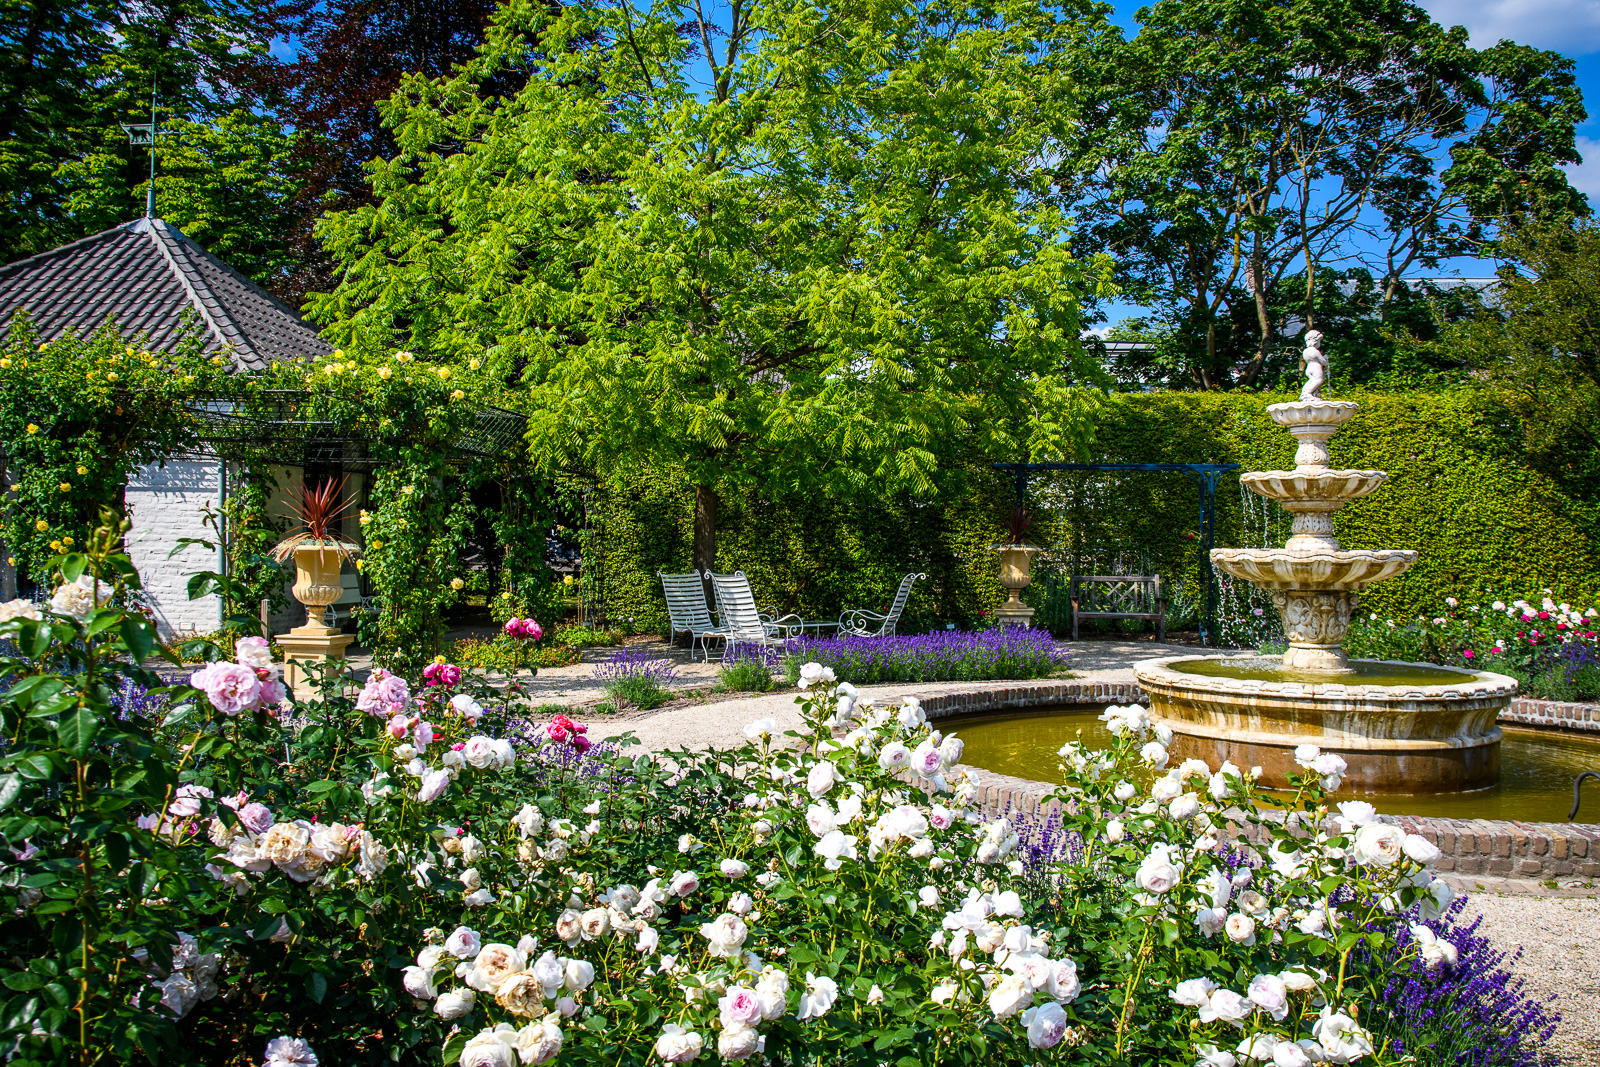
[164, 504]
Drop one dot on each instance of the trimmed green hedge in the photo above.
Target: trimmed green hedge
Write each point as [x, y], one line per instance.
[1459, 492]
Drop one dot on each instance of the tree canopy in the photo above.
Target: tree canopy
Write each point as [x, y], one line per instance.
[800, 246]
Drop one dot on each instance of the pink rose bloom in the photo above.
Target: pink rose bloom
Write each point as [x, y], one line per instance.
[272, 693]
[230, 687]
[398, 726]
[253, 652]
[256, 818]
[384, 694]
[556, 731]
[581, 743]
[422, 736]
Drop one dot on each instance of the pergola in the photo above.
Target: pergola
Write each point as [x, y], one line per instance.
[1204, 476]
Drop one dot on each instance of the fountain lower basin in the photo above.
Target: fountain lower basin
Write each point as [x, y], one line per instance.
[1431, 730]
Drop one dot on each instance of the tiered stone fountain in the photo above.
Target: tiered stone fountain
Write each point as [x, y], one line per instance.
[1401, 727]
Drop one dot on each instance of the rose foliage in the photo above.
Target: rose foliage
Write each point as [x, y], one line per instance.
[397, 881]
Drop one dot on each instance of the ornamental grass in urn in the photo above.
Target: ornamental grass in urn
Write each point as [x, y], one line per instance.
[318, 550]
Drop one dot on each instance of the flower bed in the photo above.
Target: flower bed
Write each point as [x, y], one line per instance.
[1552, 649]
[1006, 652]
[399, 880]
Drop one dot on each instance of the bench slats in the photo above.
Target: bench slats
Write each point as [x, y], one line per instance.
[1118, 596]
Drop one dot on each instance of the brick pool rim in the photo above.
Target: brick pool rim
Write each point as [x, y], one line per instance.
[1494, 848]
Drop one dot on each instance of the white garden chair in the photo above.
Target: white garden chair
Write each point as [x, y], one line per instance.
[864, 623]
[686, 608]
[742, 622]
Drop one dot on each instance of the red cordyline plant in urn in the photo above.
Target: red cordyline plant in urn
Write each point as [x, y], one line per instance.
[318, 549]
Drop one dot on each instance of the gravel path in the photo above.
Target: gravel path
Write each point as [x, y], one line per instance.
[1560, 942]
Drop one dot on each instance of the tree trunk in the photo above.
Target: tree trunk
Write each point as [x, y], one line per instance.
[705, 533]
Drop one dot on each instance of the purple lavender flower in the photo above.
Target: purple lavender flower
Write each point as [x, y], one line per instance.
[940, 656]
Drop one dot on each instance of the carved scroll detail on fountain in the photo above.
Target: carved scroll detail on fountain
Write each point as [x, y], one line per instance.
[1315, 582]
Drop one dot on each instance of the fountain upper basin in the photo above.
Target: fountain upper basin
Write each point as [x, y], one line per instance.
[1434, 730]
[1313, 568]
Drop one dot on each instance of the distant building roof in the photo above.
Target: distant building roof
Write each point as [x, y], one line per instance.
[145, 274]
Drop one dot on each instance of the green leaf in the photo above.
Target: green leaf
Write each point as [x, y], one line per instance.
[77, 730]
[73, 566]
[117, 850]
[453, 1047]
[317, 985]
[35, 765]
[204, 584]
[321, 787]
[10, 786]
[22, 981]
[139, 635]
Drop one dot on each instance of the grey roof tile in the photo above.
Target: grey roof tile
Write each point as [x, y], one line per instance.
[145, 275]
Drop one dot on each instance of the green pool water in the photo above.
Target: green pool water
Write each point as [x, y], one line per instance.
[1364, 672]
[1536, 768]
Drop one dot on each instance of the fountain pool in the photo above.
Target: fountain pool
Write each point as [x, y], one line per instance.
[1536, 768]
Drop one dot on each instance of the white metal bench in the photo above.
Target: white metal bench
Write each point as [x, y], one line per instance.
[864, 623]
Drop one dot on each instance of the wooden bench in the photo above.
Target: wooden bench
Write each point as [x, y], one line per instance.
[1118, 596]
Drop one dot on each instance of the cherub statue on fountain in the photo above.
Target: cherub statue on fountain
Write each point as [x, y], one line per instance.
[1316, 366]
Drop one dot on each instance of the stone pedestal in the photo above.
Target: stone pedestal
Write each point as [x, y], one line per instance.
[311, 643]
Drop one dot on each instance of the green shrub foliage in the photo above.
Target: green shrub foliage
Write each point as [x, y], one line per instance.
[1460, 492]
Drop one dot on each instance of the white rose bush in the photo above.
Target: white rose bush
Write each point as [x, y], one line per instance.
[404, 871]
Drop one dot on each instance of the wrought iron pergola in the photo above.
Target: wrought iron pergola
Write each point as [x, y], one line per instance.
[1204, 476]
[275, 429]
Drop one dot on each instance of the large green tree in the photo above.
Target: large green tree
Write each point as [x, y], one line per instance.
[807, 246]
[1248, 142]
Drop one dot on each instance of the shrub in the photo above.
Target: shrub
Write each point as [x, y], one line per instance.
[587, 637]
[502, 653]
[1552, 649]
[941, 656]
[637, 677]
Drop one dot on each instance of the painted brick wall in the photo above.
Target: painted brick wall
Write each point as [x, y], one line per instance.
[164, 504]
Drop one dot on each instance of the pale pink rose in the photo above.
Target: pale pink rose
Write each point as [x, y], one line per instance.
[256, 818]
[253, 652]
[384, 694]
[422, 736]
[398, 727]
[230, 687]
[741, 1007]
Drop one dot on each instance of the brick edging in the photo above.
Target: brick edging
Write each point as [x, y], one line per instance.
[1487, 847]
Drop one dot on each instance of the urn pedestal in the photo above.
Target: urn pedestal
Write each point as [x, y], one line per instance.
[316, 585]
[1016, 572]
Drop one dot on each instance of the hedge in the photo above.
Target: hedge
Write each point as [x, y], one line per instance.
[1459, 492]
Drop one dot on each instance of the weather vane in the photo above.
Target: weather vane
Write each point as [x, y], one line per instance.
[145, 134]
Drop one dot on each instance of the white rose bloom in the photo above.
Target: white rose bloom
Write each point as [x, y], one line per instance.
[726, 934]
[1241, 929]
[894, 755]
[462, 704]
[821, 778]
[820, 819]
[1165, 788]
[1154, 753]
[479, 752]
[504, 754]
[1421, 850]
[1156, 874]
[741, 903]
[1297, 981]
[1378, 845]
[1163, 732]
[1271, 994]
[676, 1045]
[684, 883]
[418, 981]
[595, 923]
[835, 847]
[1434, 950]
[737, 1043]
[1341, 1039]
[929, 896]
[1061, 980]
[1306, 755]
[20, 609]
[1010, 995]
[569, 926]
[1289, 1054]
[432, 786]
[944, 992]
[1210, 921]
[761, 728]
[454, 1004]
[463, 943]
[1227, 1006]
[1438, 898]
[1354, 814]
[491, 1048]
[549, 973]
[1047, 1025]
[849, 809]
[1184, 807]
[1257, 1048]
[576, 976]
[821, 992]
[1125, 791]
[539, 1041]
[1114, 831]
[1193, 992]
[649, 940]
[950, 750]
[734, 869]
[493, 964]
[1212, 1056]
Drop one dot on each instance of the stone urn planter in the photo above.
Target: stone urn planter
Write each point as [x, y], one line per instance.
[1016, 572]
[319, 554]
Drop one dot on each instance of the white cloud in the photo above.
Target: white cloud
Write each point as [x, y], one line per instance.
[1571, 27]
[1585, 176]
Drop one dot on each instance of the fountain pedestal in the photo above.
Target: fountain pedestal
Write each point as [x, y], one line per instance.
[1421, 734]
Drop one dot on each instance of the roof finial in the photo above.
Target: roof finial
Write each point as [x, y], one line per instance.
[146, 134]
